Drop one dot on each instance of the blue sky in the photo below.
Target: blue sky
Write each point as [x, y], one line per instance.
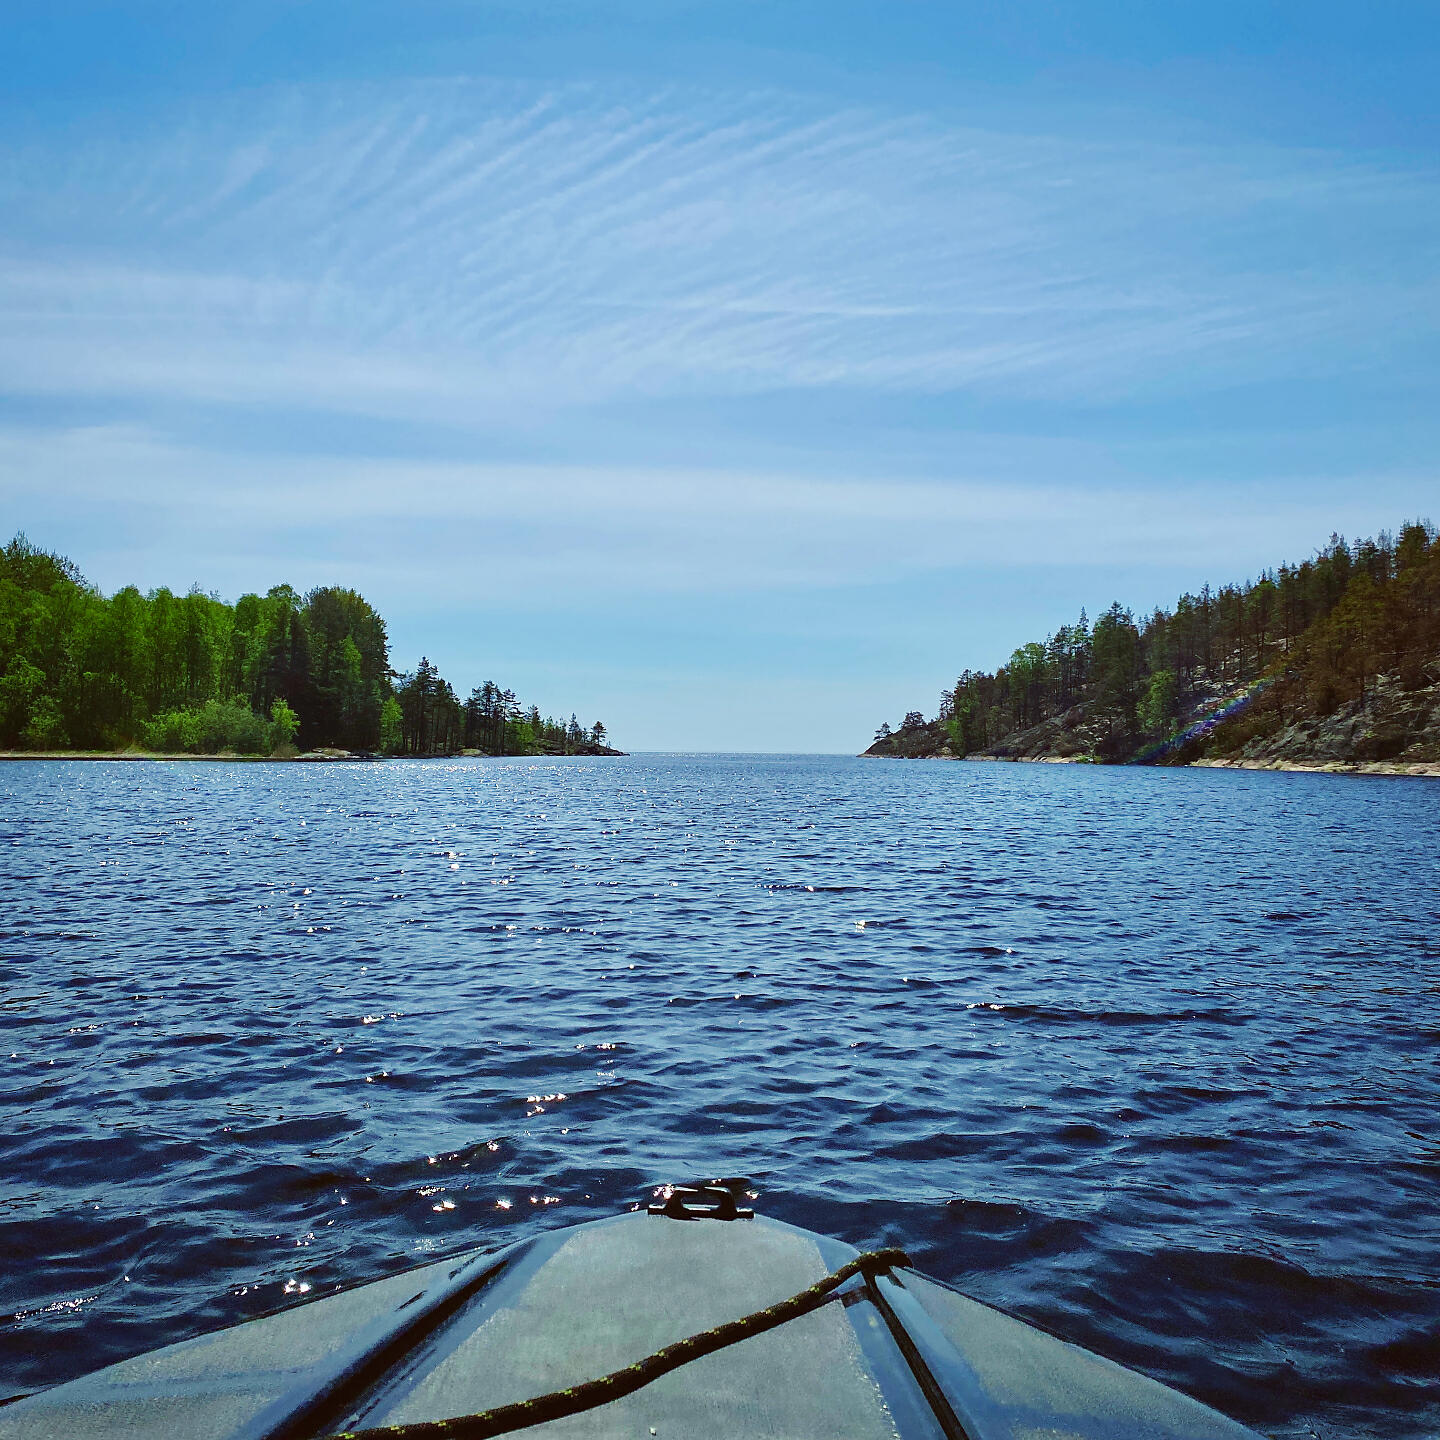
[735, 374]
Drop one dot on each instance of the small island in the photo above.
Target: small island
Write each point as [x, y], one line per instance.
[1332, 664]
[279, 676]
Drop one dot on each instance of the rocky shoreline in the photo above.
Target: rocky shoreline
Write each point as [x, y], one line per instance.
[1427, 768]
[1393, 730]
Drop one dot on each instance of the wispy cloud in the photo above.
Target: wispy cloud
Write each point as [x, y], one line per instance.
[424, 529]
[458, 250]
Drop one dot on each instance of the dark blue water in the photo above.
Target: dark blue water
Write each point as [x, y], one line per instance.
[1150, 1057]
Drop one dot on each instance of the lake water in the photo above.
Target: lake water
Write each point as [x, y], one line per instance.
[1147, 1056]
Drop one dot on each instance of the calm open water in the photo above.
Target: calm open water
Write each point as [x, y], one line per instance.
[1148, 1056]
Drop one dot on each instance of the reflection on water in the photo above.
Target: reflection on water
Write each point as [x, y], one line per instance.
[1150, 1057]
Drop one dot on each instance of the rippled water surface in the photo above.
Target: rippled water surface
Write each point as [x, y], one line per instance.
[1150, 1057]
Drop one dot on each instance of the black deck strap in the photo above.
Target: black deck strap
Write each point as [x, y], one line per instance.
[504, 1419]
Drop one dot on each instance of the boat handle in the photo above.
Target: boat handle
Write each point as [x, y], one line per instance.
[700, 1202]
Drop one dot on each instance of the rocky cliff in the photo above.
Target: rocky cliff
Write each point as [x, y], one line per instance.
[1268, 724]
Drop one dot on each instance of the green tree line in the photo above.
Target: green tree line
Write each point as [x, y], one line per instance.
[425, 717]
[191, 673]
[1320, 632]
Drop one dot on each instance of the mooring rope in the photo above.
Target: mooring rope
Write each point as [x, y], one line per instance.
[503, 1419]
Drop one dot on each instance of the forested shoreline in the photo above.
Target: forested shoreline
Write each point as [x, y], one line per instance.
[274, 675]
[1334, 659]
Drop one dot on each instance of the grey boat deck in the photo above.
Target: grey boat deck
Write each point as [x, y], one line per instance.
[902, 1357]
